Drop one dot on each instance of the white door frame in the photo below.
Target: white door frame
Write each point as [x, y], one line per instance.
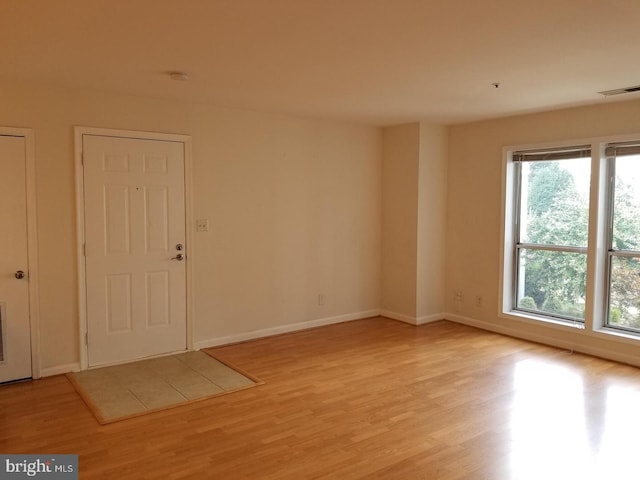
[32, 241]
[82, 294]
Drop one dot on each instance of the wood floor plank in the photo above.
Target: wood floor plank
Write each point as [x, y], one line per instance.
[367, 399]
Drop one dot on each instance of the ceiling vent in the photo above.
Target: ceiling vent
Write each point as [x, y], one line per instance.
[620, 91]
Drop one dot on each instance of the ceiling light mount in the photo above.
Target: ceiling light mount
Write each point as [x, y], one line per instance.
[179, 76]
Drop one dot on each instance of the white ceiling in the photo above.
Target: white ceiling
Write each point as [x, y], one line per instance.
[371, 61]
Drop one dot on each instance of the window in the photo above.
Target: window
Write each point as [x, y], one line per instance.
[551, 231]
[572, 235]
[623, 239]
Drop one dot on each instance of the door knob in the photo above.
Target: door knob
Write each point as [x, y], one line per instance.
[178, 257]
[19, 274]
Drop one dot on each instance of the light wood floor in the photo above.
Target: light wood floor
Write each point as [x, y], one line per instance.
[367, 399]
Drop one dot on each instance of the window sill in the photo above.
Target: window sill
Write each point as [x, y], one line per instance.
[604, 333]
[613, 334]
[541, 319]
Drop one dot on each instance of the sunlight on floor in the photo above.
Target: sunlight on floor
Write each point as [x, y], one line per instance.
[561, 430]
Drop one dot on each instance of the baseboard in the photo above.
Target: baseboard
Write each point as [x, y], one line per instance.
[546, 340]
[511, 332]
[59, 369]
[412, 320]
[267, 332]
[398, 316]
[291, 327]
[472, 322]
[429, 318]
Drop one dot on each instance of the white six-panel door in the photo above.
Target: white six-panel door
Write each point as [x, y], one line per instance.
[15, 338]
[135, 256]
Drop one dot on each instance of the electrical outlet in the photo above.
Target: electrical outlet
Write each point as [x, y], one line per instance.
[321, 299]
[458, 296]
[202, 225]
[478, 300]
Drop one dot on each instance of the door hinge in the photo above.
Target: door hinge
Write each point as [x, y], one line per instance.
[86, 339]
[84, 249]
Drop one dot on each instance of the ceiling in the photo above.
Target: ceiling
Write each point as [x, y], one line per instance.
[376, 62]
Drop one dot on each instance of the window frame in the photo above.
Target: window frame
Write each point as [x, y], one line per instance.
[600, 214]
[539, 155]
[610, 154]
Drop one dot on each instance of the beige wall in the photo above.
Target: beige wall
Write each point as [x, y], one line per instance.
[368, 217]
[401, 149]
[293, 206]
[414, 177]
[432, 198]
[474, 212]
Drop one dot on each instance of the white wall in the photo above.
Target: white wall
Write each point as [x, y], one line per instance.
[474, 214]
[293, 206]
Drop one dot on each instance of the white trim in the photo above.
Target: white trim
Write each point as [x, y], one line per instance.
[512, 332]
[82, 298]
[602, 333]
[532, 319]
[546, 340]
[188, 211]
[79, 183]
[291, 327]
[569, 143]
[424, 319]
[401, 317]
[410, 319]
[60, 369]
[506, 235]
[32, 241]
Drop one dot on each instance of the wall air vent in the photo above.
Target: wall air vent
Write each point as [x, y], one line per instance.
[619, 91]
